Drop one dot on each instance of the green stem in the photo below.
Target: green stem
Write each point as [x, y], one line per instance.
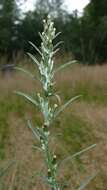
[46, 72]
[52, 177]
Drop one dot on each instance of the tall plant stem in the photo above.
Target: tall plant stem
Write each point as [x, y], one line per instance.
[46, 75]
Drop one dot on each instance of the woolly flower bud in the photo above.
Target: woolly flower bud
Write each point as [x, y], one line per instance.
[54, 162]
[45, 129]
[44, 21]
[49, 173]
[54, 159]
[50, 41]
[55, 106]
[51, 24]
[49, 17]
[47, 38]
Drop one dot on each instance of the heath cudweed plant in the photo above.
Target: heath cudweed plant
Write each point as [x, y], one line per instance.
[46, 106]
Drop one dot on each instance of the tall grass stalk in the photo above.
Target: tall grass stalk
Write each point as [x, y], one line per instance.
[50, 109]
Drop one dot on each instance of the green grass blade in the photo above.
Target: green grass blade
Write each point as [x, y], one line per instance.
[65, 65]
[29, 98]
[87, 181]
[66, 104]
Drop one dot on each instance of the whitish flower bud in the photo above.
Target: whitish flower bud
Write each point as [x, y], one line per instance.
[49, 17]
[51, 24]
[44, 21]
[55, 106]
[45, 129]
[54, 159]
[49, 173]
[41, 139]
[50, 41]
[42, 143]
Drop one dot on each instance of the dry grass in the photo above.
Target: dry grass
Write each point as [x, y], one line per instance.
[83, 124]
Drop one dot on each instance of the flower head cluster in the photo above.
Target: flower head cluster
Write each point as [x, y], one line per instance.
[47, 50]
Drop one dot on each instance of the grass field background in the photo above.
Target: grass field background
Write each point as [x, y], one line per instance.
[81, 125]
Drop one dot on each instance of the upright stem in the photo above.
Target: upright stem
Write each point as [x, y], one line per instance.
[51, 170]
[47, 74]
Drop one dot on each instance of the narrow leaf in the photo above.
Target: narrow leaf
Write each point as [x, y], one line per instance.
[58, 98]
[25, 71]
[35, 47]
[41, 37]
[36, 147]
[34, 102]
[57, 35]
[56, 51]
[76, 154]
[35, 132]
[65, 65]
[34, 58]
[66, 104]
[87, 181]
[59, 43]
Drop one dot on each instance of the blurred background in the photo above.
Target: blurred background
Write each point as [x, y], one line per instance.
[83, 26]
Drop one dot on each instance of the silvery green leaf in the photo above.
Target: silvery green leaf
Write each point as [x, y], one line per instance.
[58, 44]
[65, 65]
[35, 132]
[41, 36]
[51, 68]
[35, 47]
[66, 104]
[34, 102]
[76, 154]
[40, 131]
[87, 181]
[36, 147]
[34, 58]
[54, 52]
[58, 98]
[57, 35]
[25, 71]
